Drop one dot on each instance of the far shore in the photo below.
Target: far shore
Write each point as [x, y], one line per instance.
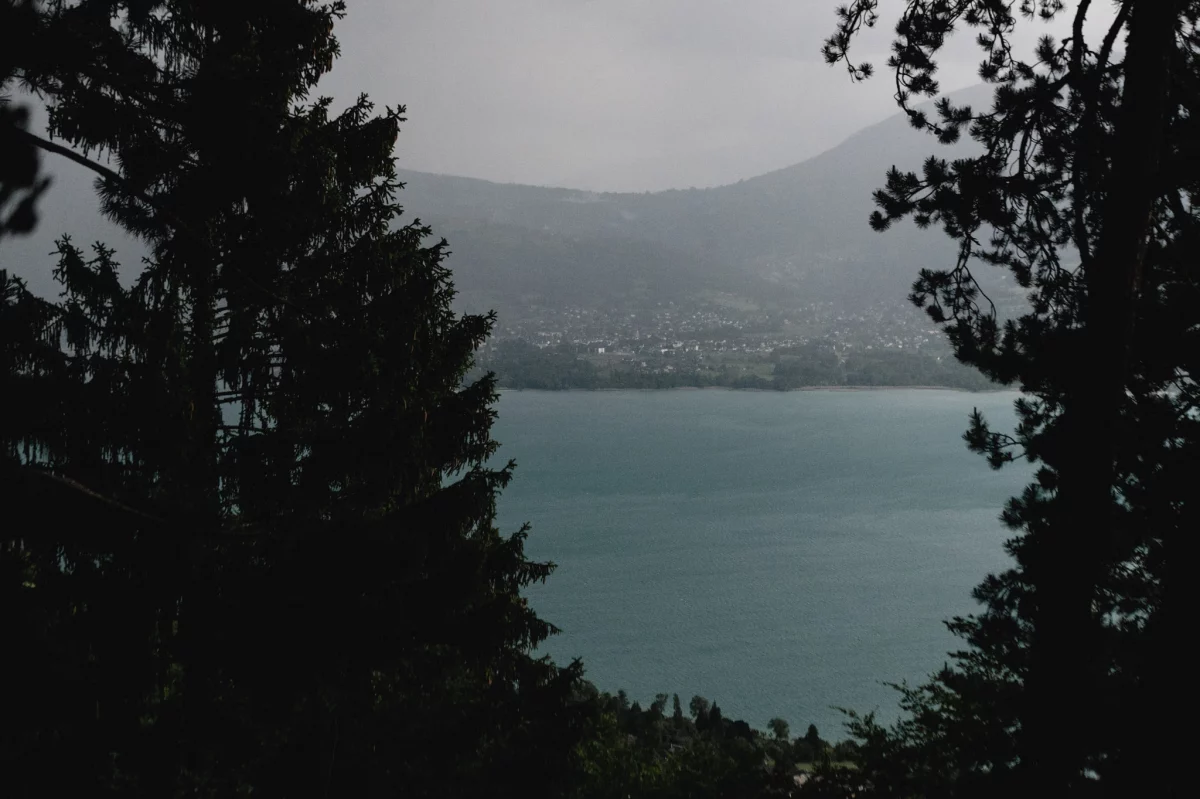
[776, 390]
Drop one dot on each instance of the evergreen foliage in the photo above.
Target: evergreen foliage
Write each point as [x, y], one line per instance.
[20, 185]
[630, 753]
[1085, 192]
[250, 543]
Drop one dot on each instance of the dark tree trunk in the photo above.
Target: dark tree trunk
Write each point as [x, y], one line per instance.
[1070, 555]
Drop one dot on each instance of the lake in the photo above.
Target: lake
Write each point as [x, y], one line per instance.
[779, 553]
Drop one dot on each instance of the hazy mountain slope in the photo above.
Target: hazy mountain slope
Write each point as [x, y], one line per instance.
[803, 227]
[791, 235]
[509, 268]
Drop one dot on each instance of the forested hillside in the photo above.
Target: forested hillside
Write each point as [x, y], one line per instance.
[790, 236]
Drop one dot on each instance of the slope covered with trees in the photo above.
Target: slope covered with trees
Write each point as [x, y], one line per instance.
[663, 751]
[784, 238]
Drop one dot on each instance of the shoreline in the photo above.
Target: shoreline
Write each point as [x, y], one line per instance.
[772, 390]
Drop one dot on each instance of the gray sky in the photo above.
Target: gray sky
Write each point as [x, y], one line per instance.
[614, 95]
[621, 94]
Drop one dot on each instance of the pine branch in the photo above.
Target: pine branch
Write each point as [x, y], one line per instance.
[79, 489]
[179, 224]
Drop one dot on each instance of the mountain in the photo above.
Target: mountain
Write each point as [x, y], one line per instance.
[792, 236]
[509, 268]
[777, 241]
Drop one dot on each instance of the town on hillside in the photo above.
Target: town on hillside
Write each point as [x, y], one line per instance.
[722, 343]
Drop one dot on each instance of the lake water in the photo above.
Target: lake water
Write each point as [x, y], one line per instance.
[780, 553]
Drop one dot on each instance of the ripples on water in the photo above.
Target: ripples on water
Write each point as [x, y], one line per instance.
[780, 553]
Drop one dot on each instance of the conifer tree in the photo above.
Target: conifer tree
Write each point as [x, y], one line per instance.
[20, 183]
[251, 540]
[1085, 193]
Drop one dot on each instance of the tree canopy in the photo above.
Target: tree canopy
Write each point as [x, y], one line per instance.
[1084, 190]
[251, 540]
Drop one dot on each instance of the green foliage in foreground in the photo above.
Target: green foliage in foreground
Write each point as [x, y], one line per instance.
[1083, 188]
[249, 544]
[655, 753]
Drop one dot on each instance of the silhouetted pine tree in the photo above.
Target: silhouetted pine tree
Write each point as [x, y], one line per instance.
[20, 184]
[250, 542]
[1085, 193]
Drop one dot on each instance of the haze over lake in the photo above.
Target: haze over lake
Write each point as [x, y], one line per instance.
[780, 553]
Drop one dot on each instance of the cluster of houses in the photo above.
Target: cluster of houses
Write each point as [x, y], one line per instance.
[667, 331]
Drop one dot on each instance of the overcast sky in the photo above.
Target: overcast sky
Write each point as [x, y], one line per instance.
[612, 95]
[609, 94]
[619, 94]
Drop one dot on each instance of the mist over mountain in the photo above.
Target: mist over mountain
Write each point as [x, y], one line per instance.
[778, 241]
[788, 237]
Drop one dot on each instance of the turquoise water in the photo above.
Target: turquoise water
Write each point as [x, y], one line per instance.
[780, 553]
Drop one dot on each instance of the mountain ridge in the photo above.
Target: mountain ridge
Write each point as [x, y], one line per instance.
[791, 235]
